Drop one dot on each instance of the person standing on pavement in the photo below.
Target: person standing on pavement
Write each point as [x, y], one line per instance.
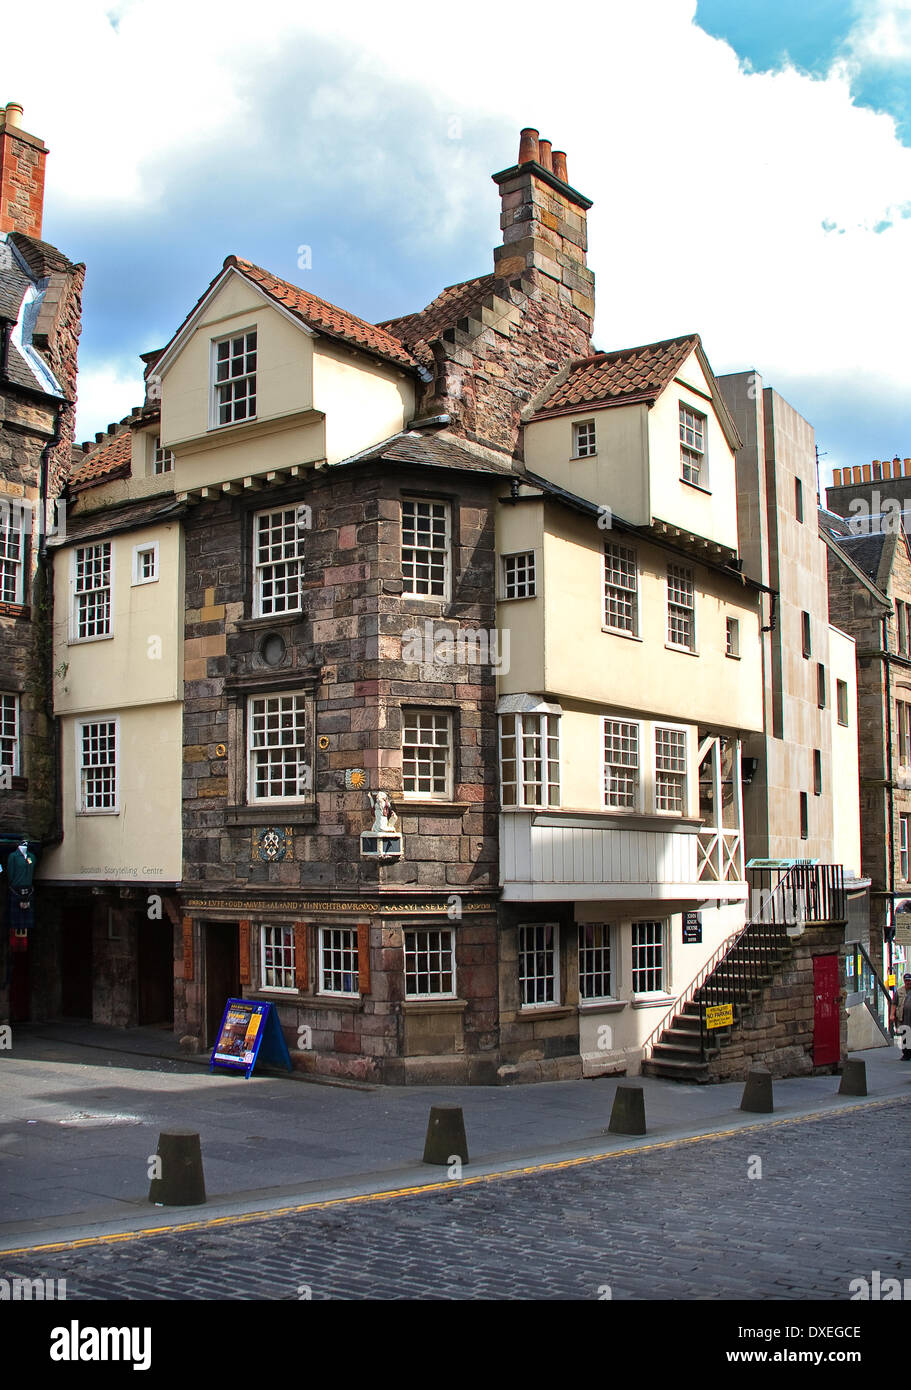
[901, 1017]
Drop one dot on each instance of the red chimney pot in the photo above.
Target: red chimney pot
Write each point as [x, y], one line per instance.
[558, 159]
[528, 145]
[544, 158]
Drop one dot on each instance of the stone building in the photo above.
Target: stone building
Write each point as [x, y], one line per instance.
[869, 580]
[40, 320]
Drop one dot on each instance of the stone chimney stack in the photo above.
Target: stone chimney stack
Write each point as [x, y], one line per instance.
[544, 225]
[22, 158]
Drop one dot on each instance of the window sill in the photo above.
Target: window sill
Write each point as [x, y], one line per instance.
[97, 813]
[405, 805]
[685, 651]
[444, 1004]
[515, 598]
[602, 1006]
[293, 615]
[287, 814]
[81, 641]
[698, 487]
[583, 458]
[618, 632]
[651, 1001]
[732, 656]
[544, 1011]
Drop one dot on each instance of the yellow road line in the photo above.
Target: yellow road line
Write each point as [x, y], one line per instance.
[555, 1165]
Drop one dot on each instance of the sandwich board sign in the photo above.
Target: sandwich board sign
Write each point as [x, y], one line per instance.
[249, 1031]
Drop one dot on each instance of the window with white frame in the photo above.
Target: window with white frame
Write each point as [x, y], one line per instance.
[584, 444]
[163, 459]
[904, 831]
[338, 961]
[277, 945]
[539, 964]
[903, 720]
[681, 607]
[426, 753]
[278, 561]
[429, 963]
[97, 753]
[648, 957]
[12, 547]
[519, 575]
[692, 445]
[145, 563]
[621, 588]
[278, 741]
[92, 591]
[621, 764]
[732, 637]
[425, 549]
[9, 733]
[595, 961]
[670, 770]
[235, 378]
[530, 759]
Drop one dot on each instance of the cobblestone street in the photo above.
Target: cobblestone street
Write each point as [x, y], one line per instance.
[683, 1222]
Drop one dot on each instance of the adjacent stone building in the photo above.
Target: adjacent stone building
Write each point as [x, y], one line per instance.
[40, 319]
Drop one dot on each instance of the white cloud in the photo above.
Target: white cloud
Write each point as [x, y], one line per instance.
[108, 391]
[714, 186]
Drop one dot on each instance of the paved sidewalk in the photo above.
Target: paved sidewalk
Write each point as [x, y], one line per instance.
[81, 1110]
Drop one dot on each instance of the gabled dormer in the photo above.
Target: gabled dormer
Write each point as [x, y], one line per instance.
[262, 363]
[642, 431]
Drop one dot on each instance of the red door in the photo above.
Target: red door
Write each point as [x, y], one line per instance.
[826, 1040]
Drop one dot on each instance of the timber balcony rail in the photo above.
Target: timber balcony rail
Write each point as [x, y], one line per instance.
[807, 895]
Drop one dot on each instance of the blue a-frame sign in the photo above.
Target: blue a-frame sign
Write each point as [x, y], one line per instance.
[249, 1031]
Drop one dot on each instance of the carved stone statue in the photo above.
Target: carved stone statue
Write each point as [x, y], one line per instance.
[384, 817]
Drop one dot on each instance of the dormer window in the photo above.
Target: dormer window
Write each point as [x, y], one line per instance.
[234, 383]
[584, 439]
[692, 446]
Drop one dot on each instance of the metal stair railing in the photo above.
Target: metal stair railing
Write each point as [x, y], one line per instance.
[807, 894]
[876, 995]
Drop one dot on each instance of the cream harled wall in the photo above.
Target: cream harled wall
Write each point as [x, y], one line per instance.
[845, 774]
[314, 399]
[134, 677]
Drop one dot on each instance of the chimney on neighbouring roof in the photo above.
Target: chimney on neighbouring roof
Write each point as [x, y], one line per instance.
[22, 159]
[544, 226]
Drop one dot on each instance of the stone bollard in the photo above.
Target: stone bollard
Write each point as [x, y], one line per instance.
[757, 1093]
[181, 1183]
[627, 1115]
[445, 1135]
[853, 1078]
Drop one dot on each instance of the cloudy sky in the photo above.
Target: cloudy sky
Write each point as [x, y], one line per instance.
[749, 161]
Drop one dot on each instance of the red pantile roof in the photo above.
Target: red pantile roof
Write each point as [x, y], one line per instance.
[326, 318]
[451, 304]
[618, 378]
[110, 459]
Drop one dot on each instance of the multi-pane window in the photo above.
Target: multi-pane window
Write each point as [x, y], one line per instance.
[164, 458]
[648, 957]
[692, 444]
[538, 964]
[519, 575]
[426, 753]
[277, 945]
[97, 746]
[806, 634]
[820, 685]
[732, 637]
[9, 733]
[145, 563]
[530, 759]
[425, 549]
[621, 763]
[595, 960]
[670, 770]
[429, 963]
[841, 698]
[278, 740]
[817, 772]
[278, 561]
[903, 720]
[11, 556]
[681, 607]
[904, 832]
[235, 379]
[621, 585]
[903, 611]
[92, 590]
[584, 439]
[338, 960]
